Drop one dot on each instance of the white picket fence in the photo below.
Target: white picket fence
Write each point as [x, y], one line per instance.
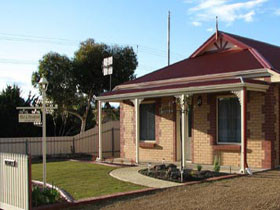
[86, 143]
[15, 181]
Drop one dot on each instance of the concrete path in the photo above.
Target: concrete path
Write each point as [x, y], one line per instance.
[130, 174]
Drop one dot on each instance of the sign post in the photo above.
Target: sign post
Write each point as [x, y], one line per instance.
[35, 118]
[108, 68]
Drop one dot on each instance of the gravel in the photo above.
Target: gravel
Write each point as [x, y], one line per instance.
[260, 191]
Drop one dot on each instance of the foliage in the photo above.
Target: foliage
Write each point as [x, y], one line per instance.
[44, 196]
[217, 164]
[83, 180]
[198, 167]
[74, 83]
[10, 98]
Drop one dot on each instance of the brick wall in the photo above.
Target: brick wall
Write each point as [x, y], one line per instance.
[255, 136]
[165, 133]
[270, 127]
[262, 131]
[204, 133]
[127, 129]
[203, 152]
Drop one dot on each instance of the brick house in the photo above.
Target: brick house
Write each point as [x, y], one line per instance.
[222, 101]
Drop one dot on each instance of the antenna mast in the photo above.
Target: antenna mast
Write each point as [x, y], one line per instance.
[168, 39]
[217, 27]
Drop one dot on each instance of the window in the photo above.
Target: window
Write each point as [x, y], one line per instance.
[229, 122]
[147, 122]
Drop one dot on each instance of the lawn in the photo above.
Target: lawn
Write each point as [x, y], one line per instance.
[260, 191]
[82, 180]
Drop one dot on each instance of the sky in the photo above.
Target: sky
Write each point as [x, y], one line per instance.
[29, 29]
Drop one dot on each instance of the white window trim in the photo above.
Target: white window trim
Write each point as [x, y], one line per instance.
[148, 140]
[217, 121]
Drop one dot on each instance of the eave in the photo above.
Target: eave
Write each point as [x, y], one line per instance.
[187, 90]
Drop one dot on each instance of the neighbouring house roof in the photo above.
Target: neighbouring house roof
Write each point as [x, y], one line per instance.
[229, 54]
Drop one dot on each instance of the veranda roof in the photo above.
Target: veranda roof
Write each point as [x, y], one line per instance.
[190, 87]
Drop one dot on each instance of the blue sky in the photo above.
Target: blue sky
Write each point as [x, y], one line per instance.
[31, 28]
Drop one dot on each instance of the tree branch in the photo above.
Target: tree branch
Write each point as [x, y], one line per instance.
[75, 114]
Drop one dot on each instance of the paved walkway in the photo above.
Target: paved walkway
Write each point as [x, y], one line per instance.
[130, 174]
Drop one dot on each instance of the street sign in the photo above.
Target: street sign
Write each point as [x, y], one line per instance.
[29, 118]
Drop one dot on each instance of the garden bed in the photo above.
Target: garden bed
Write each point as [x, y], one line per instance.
[45, 196]
[170, 172]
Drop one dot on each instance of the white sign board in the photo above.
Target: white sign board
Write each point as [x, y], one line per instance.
[108, 66]
[29, 118]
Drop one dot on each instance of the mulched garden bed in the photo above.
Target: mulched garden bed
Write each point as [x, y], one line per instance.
[170, 172]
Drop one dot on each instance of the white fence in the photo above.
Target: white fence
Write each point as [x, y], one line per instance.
[15, 181]
[86, 142]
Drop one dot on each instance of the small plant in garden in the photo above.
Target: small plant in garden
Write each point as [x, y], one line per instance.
[44, 196]
[198, 167]
[217, 166]
[192, 173]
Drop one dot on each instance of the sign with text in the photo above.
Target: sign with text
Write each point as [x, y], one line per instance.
[10, 162]
[29, 118]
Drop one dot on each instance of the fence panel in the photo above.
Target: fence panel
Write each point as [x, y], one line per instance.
[15, 181]
[86, 142]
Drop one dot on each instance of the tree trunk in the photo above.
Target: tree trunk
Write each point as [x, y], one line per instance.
[83, 125]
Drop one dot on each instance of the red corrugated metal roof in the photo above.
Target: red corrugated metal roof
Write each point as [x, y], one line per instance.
[269, 52]
[254, 55]
[251, 54]
[185, 85]
[230, 61]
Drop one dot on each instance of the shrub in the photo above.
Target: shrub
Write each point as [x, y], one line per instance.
[199, 167]
[44, 196]
[217, 166]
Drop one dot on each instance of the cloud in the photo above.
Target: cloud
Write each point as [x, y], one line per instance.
[210, 29]
[228, 11]
[277, 12]
[196, 23]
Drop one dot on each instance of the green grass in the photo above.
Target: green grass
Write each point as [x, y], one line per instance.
[82, 180]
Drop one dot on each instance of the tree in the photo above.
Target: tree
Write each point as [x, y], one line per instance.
[73, 83]
[10, 98]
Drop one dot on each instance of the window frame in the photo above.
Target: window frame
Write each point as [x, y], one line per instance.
[217, 121]
[147, 140]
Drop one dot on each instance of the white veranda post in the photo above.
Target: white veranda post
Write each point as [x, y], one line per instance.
[184, 102]
[183, 128]
[241, 95]
[100, 130]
